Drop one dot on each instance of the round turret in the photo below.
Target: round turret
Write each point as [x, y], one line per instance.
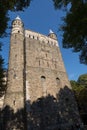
[17, 26]
[52, 35]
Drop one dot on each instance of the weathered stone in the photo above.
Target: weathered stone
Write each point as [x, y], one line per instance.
[39, 91]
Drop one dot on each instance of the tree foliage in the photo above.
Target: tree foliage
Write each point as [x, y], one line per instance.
[80, 89]
[2, 81]
[74, 27]
[5, 7]
[83, 80]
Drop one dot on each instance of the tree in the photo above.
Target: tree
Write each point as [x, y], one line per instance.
[74, 27]
[2, 82]
[5, 7]
[80, 89]
[83, 80]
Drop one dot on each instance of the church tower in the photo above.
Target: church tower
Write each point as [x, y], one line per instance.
[15, 91]
[14, 97]
[38, 83]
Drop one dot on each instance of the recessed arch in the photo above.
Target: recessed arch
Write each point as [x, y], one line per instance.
[57, 81]
[43, 78]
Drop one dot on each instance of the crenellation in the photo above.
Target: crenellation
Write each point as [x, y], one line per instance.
[41, 38]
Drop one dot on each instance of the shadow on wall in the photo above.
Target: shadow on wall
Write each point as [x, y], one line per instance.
[46, 113]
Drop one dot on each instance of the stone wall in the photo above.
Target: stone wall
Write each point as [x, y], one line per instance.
[39, 95]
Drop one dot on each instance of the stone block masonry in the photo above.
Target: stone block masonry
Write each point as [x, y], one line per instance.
[39, 95]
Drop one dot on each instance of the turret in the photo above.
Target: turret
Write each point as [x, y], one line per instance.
[17, 26]
[52, 35]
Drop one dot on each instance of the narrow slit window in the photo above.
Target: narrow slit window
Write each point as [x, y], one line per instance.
[39, 62]
[14, 102]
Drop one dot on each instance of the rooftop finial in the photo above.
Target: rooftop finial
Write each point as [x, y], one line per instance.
[18, 18]
[50, 31]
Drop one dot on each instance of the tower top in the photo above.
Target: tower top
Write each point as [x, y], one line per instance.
[50, 31]
[17, 26]
[52, 35]
[17, 18]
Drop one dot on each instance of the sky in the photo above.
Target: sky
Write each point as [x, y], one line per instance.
[41, 17]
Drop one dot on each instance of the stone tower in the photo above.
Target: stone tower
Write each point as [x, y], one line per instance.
[38, 83]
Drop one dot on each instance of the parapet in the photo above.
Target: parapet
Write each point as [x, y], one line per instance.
[41, 37]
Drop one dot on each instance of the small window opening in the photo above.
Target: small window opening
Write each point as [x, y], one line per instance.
[39, 62]
[57, 80]
[14, 102]
[33, 37]
[18, 31]
[43, 78]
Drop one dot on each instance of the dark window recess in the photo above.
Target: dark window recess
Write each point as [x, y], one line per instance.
[57, 80]
[14, 102]
[18, 31]
[43, 78]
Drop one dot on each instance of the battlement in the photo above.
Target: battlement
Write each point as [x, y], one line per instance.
[41, 37]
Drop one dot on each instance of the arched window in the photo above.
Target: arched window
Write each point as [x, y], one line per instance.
[57, 81]
[43, 84]
[43, 78]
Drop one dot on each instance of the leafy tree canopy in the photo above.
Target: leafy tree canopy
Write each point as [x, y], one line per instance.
[10, 5]
[82, 80]
[80, 89]
[2, 81]
[74, 27]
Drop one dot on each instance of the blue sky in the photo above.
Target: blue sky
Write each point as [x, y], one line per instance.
[41, 17]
